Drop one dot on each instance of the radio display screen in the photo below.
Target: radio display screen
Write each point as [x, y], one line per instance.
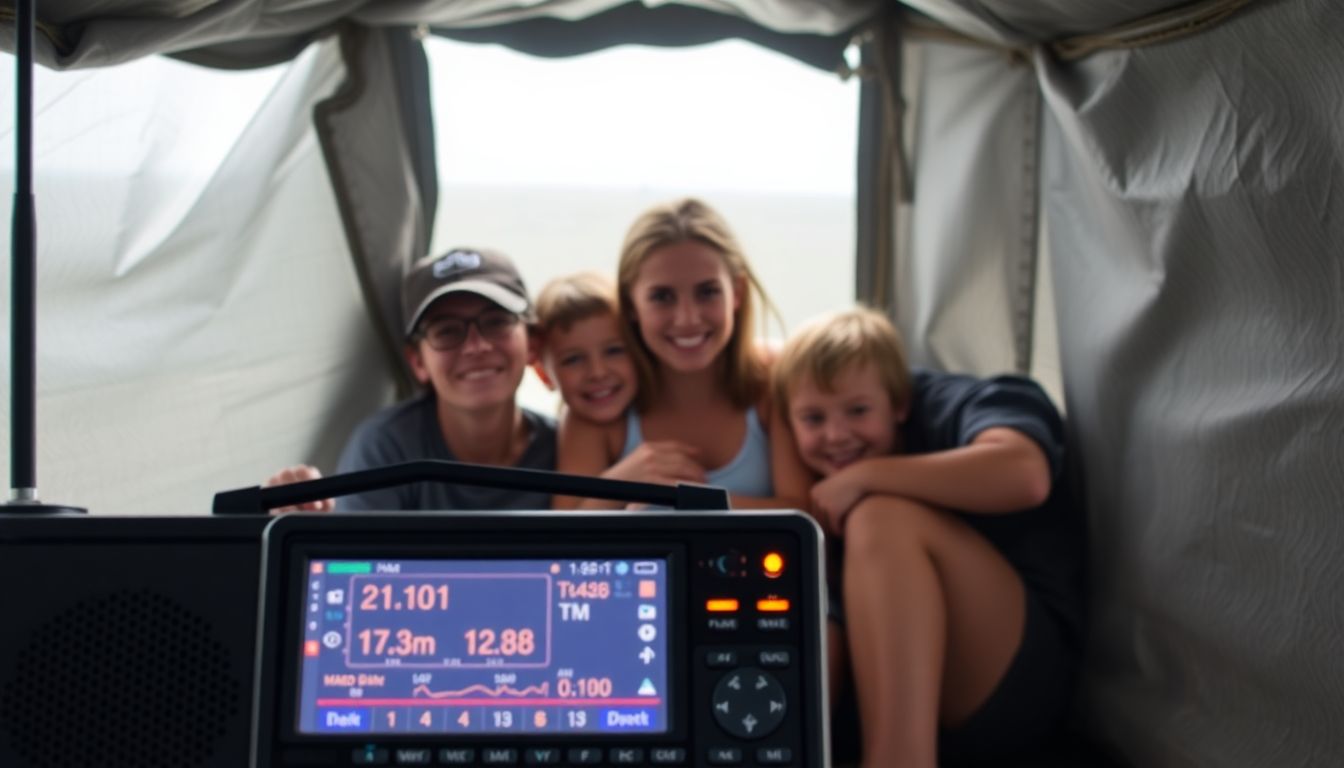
[484, 647]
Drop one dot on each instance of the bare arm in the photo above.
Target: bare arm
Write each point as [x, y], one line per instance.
[1001, 471]
[298, 474]
[582, 450]
[587, 449]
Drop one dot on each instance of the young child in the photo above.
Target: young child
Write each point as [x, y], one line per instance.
[961, 557]
[582, 352]
[584, 356]
[687, 308]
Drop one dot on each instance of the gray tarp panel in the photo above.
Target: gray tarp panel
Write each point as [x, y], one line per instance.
[1193, 210]
[1195, 197]
[365, 128]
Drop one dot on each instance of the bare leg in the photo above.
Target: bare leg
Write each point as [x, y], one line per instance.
[935, 616]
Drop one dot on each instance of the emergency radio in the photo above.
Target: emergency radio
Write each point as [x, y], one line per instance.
[541, 638]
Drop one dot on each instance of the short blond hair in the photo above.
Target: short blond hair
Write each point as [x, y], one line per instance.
[568, 299]
[745, 377]
[831, 344]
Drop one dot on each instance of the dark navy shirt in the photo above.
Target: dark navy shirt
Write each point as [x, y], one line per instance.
[1047, 544]
[409, 431]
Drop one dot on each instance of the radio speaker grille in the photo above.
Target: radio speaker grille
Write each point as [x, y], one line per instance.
[129, 680]
[127, 642]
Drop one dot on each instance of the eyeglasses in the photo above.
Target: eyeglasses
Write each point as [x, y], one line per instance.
[448, 333]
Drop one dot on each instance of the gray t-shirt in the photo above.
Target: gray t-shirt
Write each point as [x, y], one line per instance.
[409, 431]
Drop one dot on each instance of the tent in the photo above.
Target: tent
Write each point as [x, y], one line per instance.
[1156, 185]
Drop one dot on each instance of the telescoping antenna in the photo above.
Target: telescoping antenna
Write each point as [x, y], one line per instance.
[23, 289]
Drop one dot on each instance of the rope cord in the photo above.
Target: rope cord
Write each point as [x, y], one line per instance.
[1161, 27]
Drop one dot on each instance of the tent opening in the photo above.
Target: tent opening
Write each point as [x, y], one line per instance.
[550, 160]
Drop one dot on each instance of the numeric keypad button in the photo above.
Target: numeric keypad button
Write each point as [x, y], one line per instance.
[457, 756]
[625, 756]
[584, 756]
[667, 755]
[724, 756]
[542, 756]
[499, 756]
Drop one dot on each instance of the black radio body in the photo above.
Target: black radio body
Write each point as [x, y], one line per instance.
[686, 638]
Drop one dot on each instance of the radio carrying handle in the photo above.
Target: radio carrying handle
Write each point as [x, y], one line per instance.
[256, 500]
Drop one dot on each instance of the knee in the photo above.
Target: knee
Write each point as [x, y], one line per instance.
[878, 523]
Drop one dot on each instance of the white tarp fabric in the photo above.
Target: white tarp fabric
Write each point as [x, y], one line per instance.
[966, 256]
[219, 333]
[1193, 213]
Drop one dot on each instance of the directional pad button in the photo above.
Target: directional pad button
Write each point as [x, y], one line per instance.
[749, 703]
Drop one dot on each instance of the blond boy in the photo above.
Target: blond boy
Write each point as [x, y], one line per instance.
[960, 556]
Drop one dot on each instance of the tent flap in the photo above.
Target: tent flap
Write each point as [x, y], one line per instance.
[663, 25]
[251, 33]
[1195, 225]
[376, 172]
[965, 259]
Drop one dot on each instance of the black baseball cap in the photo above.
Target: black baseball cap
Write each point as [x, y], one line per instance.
[486, 273]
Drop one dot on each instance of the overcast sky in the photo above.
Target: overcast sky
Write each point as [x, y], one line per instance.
[730, 115]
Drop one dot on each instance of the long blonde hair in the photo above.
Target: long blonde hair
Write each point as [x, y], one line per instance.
[744, 375]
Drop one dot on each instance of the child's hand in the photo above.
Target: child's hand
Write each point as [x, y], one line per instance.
[659, 461]
[834, 498]
[299, 474]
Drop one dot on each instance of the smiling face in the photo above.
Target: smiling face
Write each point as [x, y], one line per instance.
[853, 419]
[684, 301]
[481, 373]
[589, 364]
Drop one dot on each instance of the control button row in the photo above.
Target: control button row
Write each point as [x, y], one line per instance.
[764, 756]
[763, 623]
[528, 756]
[725, 658]
[733, 605]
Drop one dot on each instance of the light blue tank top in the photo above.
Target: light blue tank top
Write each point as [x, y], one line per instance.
[748, 474]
